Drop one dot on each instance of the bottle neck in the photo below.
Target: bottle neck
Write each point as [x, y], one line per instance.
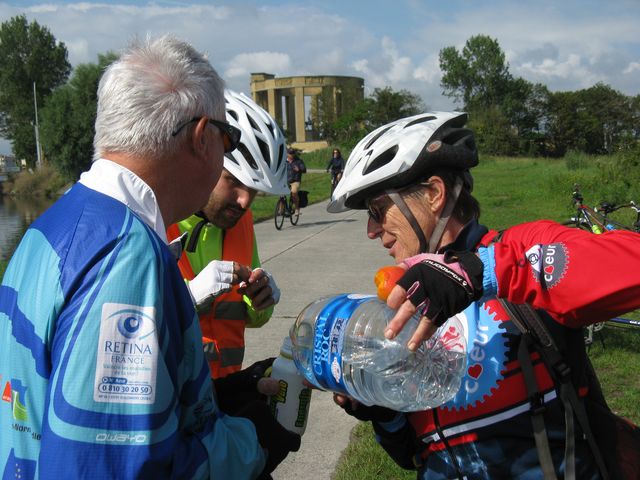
[286, 355]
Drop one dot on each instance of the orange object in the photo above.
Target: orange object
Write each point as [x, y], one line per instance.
[386, 278]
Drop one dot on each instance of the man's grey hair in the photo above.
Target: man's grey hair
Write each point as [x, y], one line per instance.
[155, 86]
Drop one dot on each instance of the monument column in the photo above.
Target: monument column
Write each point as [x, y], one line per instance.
[299, 105]
[272, 100]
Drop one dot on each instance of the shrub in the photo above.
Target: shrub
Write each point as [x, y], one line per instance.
[45, 182]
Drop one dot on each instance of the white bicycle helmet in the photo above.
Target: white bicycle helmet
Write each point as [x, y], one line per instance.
[405, 152]
[259, 162]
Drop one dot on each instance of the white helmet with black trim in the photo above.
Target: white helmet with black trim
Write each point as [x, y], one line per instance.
[260, 161]
[404, 152]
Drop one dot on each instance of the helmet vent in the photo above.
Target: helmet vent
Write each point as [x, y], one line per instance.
[230, 157]
[273, 128]
[280, 156]
[264, 150]
[247, 156]
[381, 160]
[233, 114]
[417, 121]
[254, 125]
[376, 137]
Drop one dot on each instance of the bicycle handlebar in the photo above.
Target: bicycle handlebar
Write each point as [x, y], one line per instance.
[608, 208]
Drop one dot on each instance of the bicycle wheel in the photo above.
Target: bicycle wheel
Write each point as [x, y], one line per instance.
[295, 215]
[280, 212]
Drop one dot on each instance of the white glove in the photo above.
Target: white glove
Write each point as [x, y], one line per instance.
[214, 280]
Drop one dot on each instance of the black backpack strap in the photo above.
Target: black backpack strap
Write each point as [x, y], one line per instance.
[533, 329]
[537, 407]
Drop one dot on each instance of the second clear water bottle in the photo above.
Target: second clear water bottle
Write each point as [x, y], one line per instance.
[339, 345]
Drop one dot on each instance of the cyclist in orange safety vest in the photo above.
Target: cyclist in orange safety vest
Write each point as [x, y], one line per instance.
[220, 259]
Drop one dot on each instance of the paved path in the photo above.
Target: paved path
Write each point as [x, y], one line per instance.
[324, 254]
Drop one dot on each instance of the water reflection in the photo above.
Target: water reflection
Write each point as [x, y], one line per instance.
[16, 214]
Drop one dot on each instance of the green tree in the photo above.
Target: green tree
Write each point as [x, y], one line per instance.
[526, 107]
[478, 76]
[384, 105]
[330, 105]
[29, 54]
[350, 127]
[595, 120]
[389, 105]
[611, 117]
[493, 131]
[69, 116]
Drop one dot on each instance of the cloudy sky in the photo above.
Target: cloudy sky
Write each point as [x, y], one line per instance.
[566, 45]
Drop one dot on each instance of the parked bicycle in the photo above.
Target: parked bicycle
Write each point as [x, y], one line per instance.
[585, 217]
[597, 220]
[285, 208]
[607, 209]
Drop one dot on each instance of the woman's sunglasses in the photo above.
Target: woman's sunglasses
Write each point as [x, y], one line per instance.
[379, 205]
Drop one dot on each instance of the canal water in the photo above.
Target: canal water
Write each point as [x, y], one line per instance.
[16, 214]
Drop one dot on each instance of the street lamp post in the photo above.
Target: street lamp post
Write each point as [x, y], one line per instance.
[37, 127]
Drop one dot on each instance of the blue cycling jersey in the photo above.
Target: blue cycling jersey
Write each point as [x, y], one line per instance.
[101, 363]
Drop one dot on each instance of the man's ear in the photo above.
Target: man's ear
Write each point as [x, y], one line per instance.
[436, 194]
[199, 139]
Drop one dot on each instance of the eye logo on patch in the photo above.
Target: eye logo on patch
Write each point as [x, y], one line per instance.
[132, 323]
[129, 326]
[548, 263]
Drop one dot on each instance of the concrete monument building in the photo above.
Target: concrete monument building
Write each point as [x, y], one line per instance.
[302, 104]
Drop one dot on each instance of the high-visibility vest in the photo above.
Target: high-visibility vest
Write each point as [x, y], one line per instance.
[224, 323]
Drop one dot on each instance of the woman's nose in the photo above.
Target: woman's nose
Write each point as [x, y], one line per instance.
[374, 229]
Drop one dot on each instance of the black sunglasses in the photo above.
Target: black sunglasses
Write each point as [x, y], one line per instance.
[230, 134]
[378, 206]
[377, 212]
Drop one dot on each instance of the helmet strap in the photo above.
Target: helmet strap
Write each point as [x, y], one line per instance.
[406, 211]
[452, 199]
[438, 231]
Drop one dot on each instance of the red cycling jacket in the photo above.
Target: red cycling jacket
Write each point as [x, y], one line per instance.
[574, 278]
[577, 277]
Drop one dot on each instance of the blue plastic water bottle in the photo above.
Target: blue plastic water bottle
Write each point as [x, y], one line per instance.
[339, 345]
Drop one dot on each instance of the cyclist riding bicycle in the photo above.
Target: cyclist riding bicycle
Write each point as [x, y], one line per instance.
[336, 166]
[413, 177]
[295, 169]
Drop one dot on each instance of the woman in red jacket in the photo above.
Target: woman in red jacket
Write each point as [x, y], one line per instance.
[413, 178]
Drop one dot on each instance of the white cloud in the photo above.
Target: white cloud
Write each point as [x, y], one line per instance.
[389, 68]
[428, 71]
[545, 41]
[549, 71]
[245, 63]
[632, 67]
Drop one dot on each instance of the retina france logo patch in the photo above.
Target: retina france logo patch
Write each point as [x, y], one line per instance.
[548, 263]
[127, 355]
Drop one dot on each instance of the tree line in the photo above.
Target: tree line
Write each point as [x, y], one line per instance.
[509, 115]
[515, 117]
